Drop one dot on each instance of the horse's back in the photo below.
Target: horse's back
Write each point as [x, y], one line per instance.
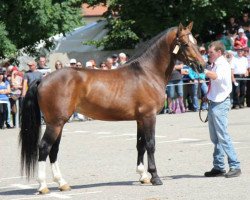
[106, 95]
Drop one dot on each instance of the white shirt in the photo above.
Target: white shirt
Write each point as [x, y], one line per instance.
[239, 65]
[221, 87]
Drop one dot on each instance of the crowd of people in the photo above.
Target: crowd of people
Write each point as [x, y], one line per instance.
[14, 83]
[186, 89]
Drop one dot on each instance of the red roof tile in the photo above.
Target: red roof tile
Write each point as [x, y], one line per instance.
[93, 11]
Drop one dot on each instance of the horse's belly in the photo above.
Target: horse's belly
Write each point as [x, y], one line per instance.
[106, 113]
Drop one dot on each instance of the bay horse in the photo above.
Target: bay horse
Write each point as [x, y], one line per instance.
[135, 91]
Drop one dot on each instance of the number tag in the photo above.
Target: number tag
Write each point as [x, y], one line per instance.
[176, 49]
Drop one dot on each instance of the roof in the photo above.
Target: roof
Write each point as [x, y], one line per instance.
[93, 11]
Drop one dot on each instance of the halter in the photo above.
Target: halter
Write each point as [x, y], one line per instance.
[182, 46]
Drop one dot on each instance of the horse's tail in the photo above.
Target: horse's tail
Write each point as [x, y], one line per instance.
[30, 130]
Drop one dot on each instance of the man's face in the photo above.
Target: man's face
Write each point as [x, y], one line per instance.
[32, 67]
[240, 52]
[213, 55]
[42, 61]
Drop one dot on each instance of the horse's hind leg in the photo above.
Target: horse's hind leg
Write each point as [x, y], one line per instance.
[49, 138]
[141, 151]
[149, 132]
[57, 176]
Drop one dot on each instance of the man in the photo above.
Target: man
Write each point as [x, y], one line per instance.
[122, 58]
[218, 93]
[42, 67]
[239, 66]
[245, 24]
[72, 62]
[241, 40]
[30, 76]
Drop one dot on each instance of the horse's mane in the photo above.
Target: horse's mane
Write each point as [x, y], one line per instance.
[148, 47]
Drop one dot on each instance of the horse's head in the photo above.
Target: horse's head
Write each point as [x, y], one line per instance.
[186, 49]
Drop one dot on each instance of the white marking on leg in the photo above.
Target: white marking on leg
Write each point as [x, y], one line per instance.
[57, 176]
[143, 173]
[42, 175]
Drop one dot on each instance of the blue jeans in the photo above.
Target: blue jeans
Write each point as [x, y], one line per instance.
[9, 109]
[173, 86]
[195, 99]
[218, 122]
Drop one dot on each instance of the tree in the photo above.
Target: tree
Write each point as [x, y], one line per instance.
[151, 17]
[24, 23]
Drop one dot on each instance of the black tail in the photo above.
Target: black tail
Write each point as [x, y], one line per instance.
[30, 130]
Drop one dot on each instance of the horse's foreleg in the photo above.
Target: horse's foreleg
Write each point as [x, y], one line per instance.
[149, 131]
[45, 146]
[141, 150]
[57, 176]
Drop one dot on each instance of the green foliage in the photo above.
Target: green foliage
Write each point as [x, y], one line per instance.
[119, 34]
[6, 47]
[28, 22]
[151, 17]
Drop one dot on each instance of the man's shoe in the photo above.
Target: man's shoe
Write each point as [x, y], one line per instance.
[233, 173]
[215, 173]
[8, 126]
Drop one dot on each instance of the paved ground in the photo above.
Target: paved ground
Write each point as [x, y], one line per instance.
[98, 159]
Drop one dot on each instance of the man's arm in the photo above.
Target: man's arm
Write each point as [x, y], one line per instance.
[210, 74]
[25, 86]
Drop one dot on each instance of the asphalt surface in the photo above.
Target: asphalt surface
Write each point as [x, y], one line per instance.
[98, 159]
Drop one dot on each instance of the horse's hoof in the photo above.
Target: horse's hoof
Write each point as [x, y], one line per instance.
[145, 181]
[65, 187]
[44, 191]
[156, 181]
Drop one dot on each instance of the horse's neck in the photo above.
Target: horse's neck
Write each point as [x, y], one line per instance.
[159, 61]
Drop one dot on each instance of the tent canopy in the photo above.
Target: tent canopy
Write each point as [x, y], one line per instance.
[73, 41]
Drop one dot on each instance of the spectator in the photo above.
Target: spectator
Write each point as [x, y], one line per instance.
[247, 55]
[196, 80]
[72, 62]
[175, 83]
[203, 53]
[232, 26]
[4, 99]
[240, 41]
[78, 64]
[122, 59]
[58, 65]
[103, 66]
[16, 83]
[115, 63]
[42, 67]
[30, 76]
[245, 24]
[239, 67]
[91, 64]
[109, 63]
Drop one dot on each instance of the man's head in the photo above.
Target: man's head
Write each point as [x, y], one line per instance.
[32, 65]
[240, 52]
[215, 50]
[245, 17]
[42, 61]
[241, 32]
[72, 62]
[109, 62]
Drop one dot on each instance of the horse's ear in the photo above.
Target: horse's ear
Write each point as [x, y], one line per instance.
[190, 26]
[180, 27]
